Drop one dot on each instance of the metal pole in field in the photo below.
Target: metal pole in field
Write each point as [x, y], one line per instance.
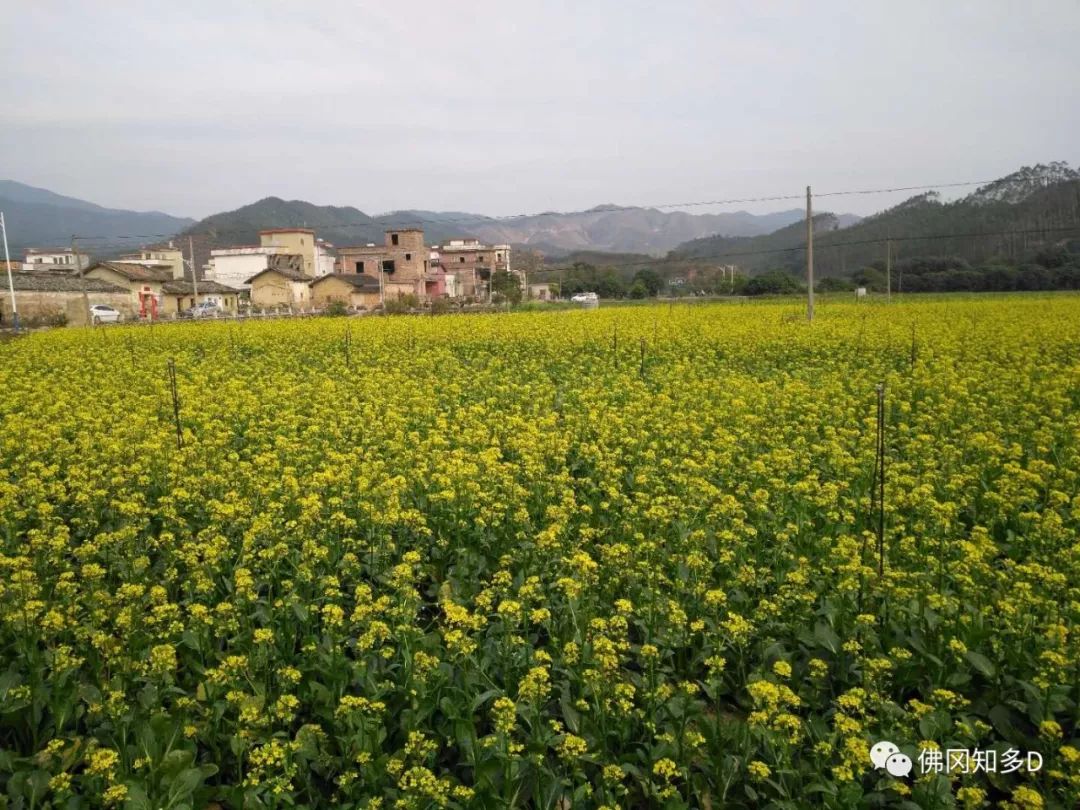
[11, 283]
[82, 273]
[809, 257]
[888, 270]
[194, 280]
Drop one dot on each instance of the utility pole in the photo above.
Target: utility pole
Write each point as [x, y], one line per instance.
[194, 279]
[888, 270]
[85, 294]
[11, 283]
[809, 257]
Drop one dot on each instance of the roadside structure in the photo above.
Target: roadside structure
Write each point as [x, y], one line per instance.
[156, 292]
[144, 283]
[49, 297]
[541, 292]
[180, 295]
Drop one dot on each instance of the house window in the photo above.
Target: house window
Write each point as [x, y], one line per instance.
[359, 267]
[393, 239]
[408, 257]
[480, 257]
[461, 259]
[388, 266]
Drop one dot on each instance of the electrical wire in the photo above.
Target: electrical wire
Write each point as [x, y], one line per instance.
[389, 220]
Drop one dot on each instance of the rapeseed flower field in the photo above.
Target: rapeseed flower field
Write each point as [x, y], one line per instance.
[620, 558]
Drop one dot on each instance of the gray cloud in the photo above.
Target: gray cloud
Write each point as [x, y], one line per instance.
[503, 107]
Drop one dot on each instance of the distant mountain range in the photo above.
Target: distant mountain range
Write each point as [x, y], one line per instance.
[1045, 196]
[36, 217]
[611, 228]
[1032, 207]
[604, 228]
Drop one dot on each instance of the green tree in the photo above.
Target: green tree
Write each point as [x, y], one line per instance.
[775, 282]
[650, 280]
[506, 284]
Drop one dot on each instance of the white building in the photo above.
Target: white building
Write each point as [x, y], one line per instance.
[324, 258]
[56, 259]
[233, 266]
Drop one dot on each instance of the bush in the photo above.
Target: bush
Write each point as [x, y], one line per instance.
[775, 282]
[336, 309]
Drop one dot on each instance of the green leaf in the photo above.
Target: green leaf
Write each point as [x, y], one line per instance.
[981, 663]
[935, 725]
[186, 783]
[826, 637]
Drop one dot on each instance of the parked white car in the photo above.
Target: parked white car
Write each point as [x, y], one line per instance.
[103, 313]
[205, 309]
[584, 297]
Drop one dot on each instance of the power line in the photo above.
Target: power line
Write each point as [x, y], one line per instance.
[389, 220]
[827, 244]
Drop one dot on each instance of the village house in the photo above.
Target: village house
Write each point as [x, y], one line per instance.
[352, 290]
[13, 265]
[472, 264]
[155, 291]
[402, 260]
[166, 257]
[233, 266]
[299, 241]
[541, 292]
[144, 284]
[282, 286]
[48, 297]
[64, 259]
[180, 295]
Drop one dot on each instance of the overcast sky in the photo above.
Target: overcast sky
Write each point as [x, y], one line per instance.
[507, 107]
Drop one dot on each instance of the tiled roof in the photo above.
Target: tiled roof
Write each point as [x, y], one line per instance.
[293, 275]
[361, 281]
[60, 282]
[177, 287]
[134, 272]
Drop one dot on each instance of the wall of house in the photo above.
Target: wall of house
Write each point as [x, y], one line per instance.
[49, 307]
[302, 243]
[330, 291]
[175, 304]
[410, 257]
[136, 287]
[271, 290]
[234, 270]
[56, 261]
[337, 291]
[174, 257]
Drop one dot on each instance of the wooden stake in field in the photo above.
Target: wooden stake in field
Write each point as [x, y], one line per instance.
[877, 492]
[176, 405]
[809, 257]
